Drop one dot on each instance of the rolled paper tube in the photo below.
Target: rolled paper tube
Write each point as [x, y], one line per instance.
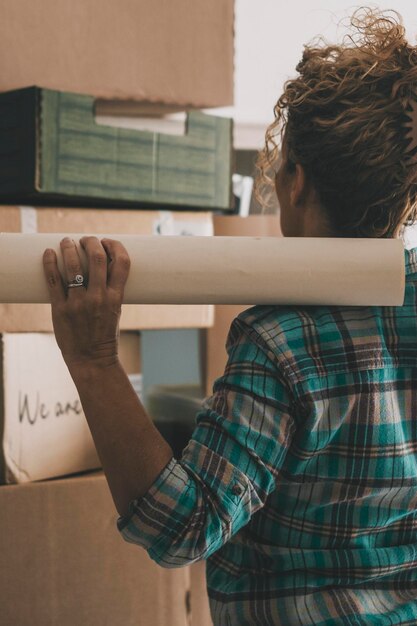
[226, 270]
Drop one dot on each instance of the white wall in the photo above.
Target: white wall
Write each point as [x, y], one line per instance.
[269, 39]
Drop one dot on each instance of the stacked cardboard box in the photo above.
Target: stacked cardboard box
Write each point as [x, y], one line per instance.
[62, 559]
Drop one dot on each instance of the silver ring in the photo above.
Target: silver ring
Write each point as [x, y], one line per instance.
[77, 282]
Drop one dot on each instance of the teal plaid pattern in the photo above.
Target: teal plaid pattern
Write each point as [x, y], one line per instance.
[299, 485]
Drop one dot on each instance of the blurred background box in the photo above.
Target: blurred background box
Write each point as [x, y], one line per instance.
[66, 560]
[174, 52]
[37, 317]
[54, 151]
[173, 409]
[44, 431]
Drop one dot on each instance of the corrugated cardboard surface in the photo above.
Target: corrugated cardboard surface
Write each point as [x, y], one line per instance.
[64, 155]
[64, 563]
[214, 339]
[37, 317]
[174, 52]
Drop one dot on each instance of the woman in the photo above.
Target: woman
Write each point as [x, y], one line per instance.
[299, 485]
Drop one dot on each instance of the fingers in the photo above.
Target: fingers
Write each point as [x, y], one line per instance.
[53, 277]
[119, 265]
[97, 264]
[72, 264]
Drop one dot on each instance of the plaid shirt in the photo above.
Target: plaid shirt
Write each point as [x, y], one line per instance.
[299, 485]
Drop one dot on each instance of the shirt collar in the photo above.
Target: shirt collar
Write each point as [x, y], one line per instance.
[410, 261]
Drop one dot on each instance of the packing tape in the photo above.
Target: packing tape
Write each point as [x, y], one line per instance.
[164, 224]
[28, 220]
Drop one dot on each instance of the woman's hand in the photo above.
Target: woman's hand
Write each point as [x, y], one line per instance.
[86, 318]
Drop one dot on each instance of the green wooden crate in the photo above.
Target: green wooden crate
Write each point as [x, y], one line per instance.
[52, 148]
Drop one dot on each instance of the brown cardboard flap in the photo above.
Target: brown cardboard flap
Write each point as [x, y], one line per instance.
[43, 429]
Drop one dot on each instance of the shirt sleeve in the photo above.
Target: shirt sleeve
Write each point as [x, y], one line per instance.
[228, 468]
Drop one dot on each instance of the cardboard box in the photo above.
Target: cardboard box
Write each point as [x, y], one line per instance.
[176, 52]
[213, 340]
[64, 563]
[53, 150]
[251, 226]
[44, 430]
[37, 317]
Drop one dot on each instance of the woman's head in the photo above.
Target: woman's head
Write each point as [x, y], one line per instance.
[343, 120]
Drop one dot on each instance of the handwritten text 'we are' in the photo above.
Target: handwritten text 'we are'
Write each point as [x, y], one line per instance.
[33, 410]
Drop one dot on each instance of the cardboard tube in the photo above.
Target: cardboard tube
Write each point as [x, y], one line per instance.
[226, 270]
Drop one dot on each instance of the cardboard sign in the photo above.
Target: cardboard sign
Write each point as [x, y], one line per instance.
[45, 433]
[45, 430]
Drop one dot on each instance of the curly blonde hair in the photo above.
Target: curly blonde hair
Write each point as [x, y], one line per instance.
[343, 119]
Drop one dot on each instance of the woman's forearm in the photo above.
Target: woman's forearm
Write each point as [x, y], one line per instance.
[130, 448]
[86, 319]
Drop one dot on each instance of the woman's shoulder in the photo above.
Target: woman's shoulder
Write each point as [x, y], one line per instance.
[311, 340]
[291, 320]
